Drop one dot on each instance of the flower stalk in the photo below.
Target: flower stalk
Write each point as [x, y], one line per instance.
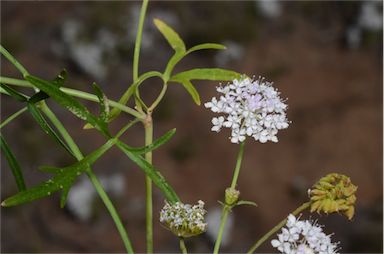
[227, 207]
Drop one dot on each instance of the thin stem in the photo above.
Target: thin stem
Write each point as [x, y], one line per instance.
[13, 60]
[277, 227]
[138, 40]
[238, 165]
[183, 248]
[223, 220]
[104, 197]
[76, 93]
[111, 209]
[159, 98]
[148, 126]
[13, 116]
[227, 208]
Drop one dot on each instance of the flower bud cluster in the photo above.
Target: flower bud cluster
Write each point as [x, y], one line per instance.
[303, 237]
[184, 220]
[334, 193]
[250, 108]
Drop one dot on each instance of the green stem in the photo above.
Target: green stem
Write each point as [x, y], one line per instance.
[76, 93]
[13, 116]
[159, 98]
[148, 126]
[182, 246]
[138, 40]
[104, 197]
[227, 208]
[277, 227]
[238, 165]
[13, 60]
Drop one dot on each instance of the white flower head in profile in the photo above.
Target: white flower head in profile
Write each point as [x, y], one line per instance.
[249, 108]
[303, 237]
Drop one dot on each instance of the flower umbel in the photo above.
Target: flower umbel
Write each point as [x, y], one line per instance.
[303, 237]
[334, 193]
[252, 108]
[184, 220]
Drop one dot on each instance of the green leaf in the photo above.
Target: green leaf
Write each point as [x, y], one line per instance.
[68, 102]
[38, 97]
[15, 94]
[170, 35]
[206, 46]
[151, 172]
[61, 78]
[206, 74]
[13, 164]
[172, 63]
[46, 127]
[192, 91]
[156, 144]
[58, 81]
[246, 202]
[63, 180]
[103, 102]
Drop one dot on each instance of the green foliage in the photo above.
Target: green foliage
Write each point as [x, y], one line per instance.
[14, 94]
[192, 91]
[13, 164]
[151, 172]
[155, 144]
[63, 179]
[68, 102]
[35, 112]
[206, 46]
[170, 35]
[206, 74]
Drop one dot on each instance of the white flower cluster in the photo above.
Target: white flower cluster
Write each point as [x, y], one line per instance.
[303, 237]
[252, 108]
[184, 220]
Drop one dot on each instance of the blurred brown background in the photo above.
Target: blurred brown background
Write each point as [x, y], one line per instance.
[326, 57]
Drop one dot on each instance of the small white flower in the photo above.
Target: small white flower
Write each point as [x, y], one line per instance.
[251, 108]
[184, 220]
[303, 237]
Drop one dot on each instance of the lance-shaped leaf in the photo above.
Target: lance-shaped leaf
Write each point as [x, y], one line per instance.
[206, 46]
[151, 172]
[170, 35]
[103, 105]
[13, 164]
[103, 102]
[63, 180]
[206, 74]
[13, 93]
[156, 144]
[192, 91]
[58, 81]
[46, 127]
[68, 102]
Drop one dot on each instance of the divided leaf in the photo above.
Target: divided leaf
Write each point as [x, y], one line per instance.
[170, 35]
[13, 164]
[67, 101]
[63, 180]
[151, 172]
[46, 127]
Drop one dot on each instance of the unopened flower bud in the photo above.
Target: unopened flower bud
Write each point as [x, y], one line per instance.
[334, 193]
[231, 196]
